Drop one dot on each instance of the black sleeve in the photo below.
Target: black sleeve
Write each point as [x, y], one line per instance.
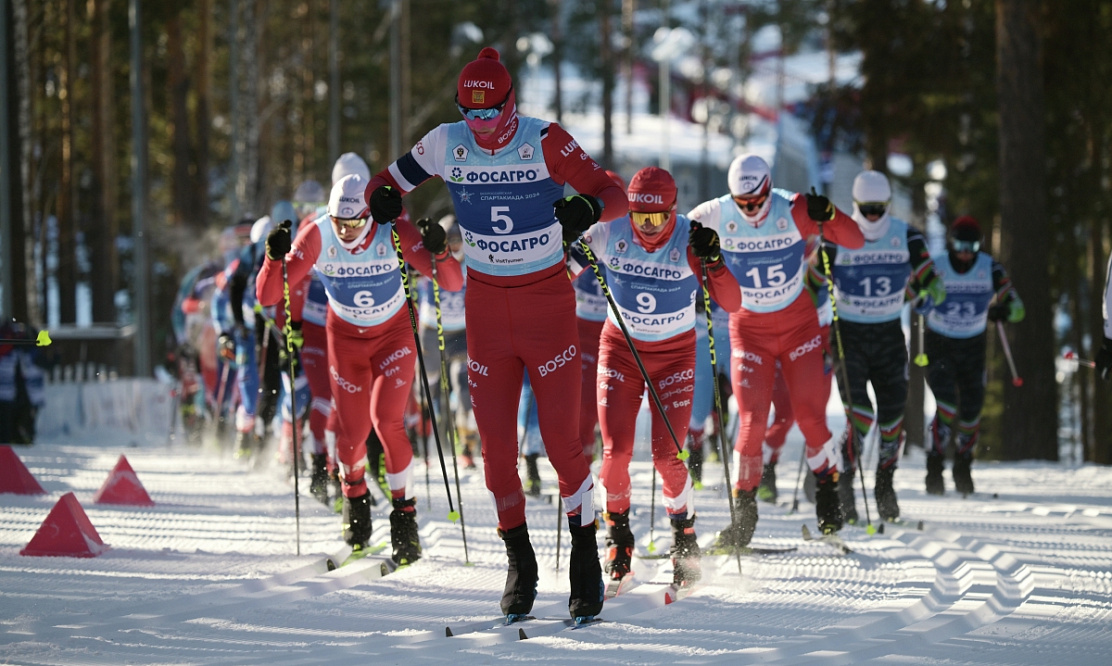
[1002, 284]
[922, 266]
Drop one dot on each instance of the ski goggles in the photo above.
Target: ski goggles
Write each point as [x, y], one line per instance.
[483, 114]
[650, 219]
[869, 208]
[751, 203]
[356, 223]
[965, 246]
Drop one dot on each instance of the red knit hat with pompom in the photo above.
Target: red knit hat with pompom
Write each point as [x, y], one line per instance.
[484, 82]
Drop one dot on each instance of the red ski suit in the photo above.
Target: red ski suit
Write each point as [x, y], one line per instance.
[371, 366]
[520, 307]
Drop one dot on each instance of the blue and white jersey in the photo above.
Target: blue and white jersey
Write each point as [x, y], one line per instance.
[964, 314]
[315, 310]
[655, 291]
[503, 202]
[766, 260]
[871, 280]
[590, 302]
[363, 289]
[451, 305]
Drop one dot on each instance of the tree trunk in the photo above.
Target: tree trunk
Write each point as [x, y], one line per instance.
[67, 269]
[104, 225]
[181, 181]
[202, 83]
[607, 55]
[17, 258]
[1030, 423]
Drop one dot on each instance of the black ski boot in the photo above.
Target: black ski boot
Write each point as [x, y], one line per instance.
[318, 483]
[686, 568]
[619, 545]
[828, 507]
[521, 576]
[246, 444]
[886, 504]
[847, 497]
[740, 532]
[963, 478]
[587, 589]
[357, 520]
[533, 482]
[935, 484]
[766, 492]
[696, 443]
[404, 539]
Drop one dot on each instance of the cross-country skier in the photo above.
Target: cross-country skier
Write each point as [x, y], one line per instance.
[654, 262]
[871, 282]
[506, 174]
[764, 235]
[955, 345]
[370, 341]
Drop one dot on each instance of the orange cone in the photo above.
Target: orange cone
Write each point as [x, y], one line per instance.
[123, 487]
[14, 476]
[66, 532]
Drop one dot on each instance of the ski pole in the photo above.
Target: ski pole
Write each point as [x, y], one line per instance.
[1017, 381]
[680, 453]
[1072, 356]
[798, 479]
[41, 340]
[293, 398]
[844, 372]
[652, 505]
[453, 515]
[921, 358]
[446, 408]
[720, 426]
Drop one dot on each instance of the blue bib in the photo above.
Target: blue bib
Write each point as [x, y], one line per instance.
[451, 305]
[871, 280]
[590, 302]
[364, 289]
[964, 314]
[767, 260]
[503, 202]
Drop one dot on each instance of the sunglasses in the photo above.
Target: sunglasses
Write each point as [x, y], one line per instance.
[872, 207]
[483, 114]
[752, 202]
[965, 246]
[356, 223]
[650, 219]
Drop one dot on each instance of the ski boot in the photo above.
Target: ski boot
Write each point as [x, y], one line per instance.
[828, 508]
[740, 532]
[846, 496]
[695, 459]
[963, 478]
[403, 532]
[318, 482]
[619, 545]
[766, 492]
[533, 482]
[935, 484]
[521, 576]
[886, 505]
[686, 568]
[585, 574]
[357, 520]
[246, 443]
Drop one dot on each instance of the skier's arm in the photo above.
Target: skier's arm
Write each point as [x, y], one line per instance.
[306, 248]
[568, 163]
[448, 273]
[723, 285]
[413, 168]
[840, 229]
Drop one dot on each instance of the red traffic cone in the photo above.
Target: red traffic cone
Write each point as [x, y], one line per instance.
[66, 532]
[14, 477]
[123, 487]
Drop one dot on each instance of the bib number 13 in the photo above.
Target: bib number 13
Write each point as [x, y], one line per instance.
[774, 276]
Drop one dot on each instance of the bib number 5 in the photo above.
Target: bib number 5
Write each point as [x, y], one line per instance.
[497, 216]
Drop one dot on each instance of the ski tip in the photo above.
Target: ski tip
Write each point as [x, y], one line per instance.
[880, 529]
[330, 564]
[919, 526]
[521, 634]
[448, 632]
[806, 533]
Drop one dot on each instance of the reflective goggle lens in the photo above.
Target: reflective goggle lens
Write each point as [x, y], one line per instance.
[652, 219]
[965, 246]
[482, 114]
[872, 207]
[751, 203]
[357, 223]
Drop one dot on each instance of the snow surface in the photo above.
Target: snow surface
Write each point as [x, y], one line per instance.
[1020, 573]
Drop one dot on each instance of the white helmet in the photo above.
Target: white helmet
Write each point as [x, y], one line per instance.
[871, 190]
[348, 164]
[749, 176]
[347, 200]
[261, 228]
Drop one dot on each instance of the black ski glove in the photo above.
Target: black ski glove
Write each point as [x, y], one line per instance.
[703, 242]
[819, 207]
[385, 204]
[279, 241]
[1104, 360]
[999, 312]
[576, 214]
[433, 236]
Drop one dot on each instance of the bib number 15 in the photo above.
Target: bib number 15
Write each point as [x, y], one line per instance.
[774, 276]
